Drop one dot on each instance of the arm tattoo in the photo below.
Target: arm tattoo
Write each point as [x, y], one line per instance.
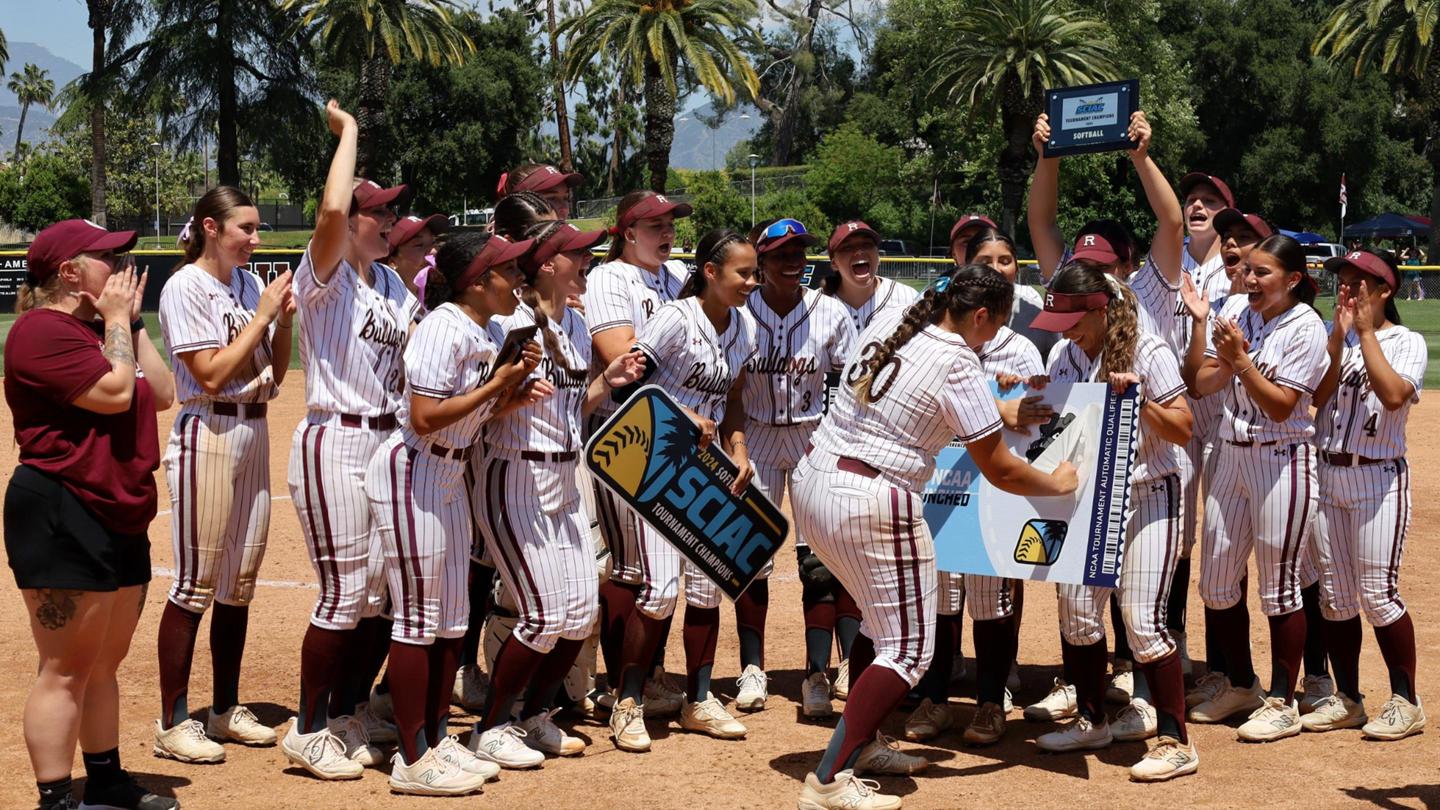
[57, 607]
[119, 348]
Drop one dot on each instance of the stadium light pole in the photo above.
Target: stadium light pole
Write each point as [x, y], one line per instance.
[155, 145]
[754, 159]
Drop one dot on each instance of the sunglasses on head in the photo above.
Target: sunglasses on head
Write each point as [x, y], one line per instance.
[782, 227]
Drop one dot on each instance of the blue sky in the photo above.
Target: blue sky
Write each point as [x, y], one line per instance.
[59, 25]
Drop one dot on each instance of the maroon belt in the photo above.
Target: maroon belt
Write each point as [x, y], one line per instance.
[850, 465]
[255, 410]
[385, 421]
[1253, 444]
[555, 458]
[458, 454]
[1350, 459]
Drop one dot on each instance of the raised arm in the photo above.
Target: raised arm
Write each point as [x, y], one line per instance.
[332, 218]
[1169, 225]
[1042, 206]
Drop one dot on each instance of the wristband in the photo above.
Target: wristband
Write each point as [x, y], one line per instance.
[1242, 372]
[137, 324]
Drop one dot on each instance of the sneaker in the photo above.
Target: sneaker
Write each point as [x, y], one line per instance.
[470, 688]
[1398, 719]
[1167, 760]
[453, 754]
[431, 776]
[320, 753]
[1313, 689]
[1122, 684]
[382, 706]
[239, 724]
[1187, 667]
[842, 679]
[544, 736]
[883, 756]
[987, 726]
[1135, 721]
[928, 721]
[1081, 735]
[602, 701]
[1334, 712]
[186, 741]
[1012, 682]
[505, 746]
[1057, 705]
[847, 792]
[815, 696]
[1009, 701]
[351, 733]
[1276, 719]
[1231, 701]
[125, 794]
[751, 688]
[663, 697]
[709, 717]
[627, 726]
[1207, 688]
[379, 730]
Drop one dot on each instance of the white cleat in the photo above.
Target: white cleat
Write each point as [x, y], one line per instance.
[883, 756]
[1122, 684]
[815, 696]
[454, 754]
[847, 792]
[544, 736]
[351, 733]
[1167, 760]
[470, 688]
[1276, 719]
[1137, 720]
[505, 746]
[320, 753]
[709, 717]
[1398, 719]
[1058, 705]
[627, 726]
[1231, 701]
[379, 730]
[752, 688]
[842, 679]
[432, 776]
[186, 742]
[663, 697]
[1313, 689]
[1333, 713]
[1207, 688]
[239, 724]
[1080, 735]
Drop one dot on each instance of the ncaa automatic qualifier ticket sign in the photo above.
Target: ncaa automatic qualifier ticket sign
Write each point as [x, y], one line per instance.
[1092, 118]
[1077, 538]
[648, 454]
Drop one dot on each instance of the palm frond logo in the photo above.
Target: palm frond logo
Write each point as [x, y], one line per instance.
[671, 442]
[1040, 542]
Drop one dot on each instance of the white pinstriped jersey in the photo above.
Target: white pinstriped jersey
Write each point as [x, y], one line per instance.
[553, 424]
[1160, 381]
[691, 362]
[198, 312]
[1010, 352]
[1289, 350]
[622, 294]
[352, 338]
[1160, 308]
[1354, 420]
[785, 380]
[930, 392]
[449, 354]
[889, 295]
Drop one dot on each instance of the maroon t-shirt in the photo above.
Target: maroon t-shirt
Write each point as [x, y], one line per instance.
[107, 461]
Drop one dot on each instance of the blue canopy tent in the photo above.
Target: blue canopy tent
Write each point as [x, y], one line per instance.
[1387, 226]
[1304, 237]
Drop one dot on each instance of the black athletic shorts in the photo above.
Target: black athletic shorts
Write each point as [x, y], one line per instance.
[53, 541]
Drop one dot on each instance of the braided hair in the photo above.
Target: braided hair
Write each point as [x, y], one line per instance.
[451, 261]
[969, 288]
[1122, 317]
[714, 246]
[518, 212]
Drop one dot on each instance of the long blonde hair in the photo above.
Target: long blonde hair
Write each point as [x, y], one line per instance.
[1122, 317]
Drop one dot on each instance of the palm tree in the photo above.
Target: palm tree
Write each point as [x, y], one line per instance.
[1395, 37]
[648, 38]
[375, 35]
[31, 86]
[1005, 54]
[562, 112]
[4, 52]
[88, 94]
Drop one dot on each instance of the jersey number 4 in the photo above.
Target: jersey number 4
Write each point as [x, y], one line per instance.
[1372, 425]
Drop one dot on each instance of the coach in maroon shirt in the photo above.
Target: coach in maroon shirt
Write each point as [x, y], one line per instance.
[83, 382]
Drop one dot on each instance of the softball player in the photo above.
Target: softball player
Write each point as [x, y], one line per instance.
[965, 229]
[803, 338]
[533, 519]
[696, 348]
[1097, 314]
[354, 318]
[915, 386]
[1376, 369]
[228, 335]
[547, 181]
[1268, 349]
[623, 293]
[412, 242]
[991, 247]
[420, 502]
[854, 249]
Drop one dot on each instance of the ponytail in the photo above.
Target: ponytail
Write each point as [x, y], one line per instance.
[31, 297]
[218, 204]
[1122, 316]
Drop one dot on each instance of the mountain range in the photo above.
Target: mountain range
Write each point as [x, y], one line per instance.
[38, 120]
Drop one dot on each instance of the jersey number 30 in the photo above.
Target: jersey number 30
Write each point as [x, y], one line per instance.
[884, 376]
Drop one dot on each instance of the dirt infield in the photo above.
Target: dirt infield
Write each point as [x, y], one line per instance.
[686, 770]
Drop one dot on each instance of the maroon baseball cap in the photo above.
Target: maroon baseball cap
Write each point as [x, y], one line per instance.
[406, 228]
[1366, 262]
[370, 194]
[1232, 218]
[1194, 179]
[567, 238]
[497, 251]
[65, 240]
[1064, 310]
[969, 221]
[1096, 248]
[655, 205]
[845, 230]
[548, 177]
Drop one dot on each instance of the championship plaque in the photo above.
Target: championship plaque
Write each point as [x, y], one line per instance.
[1093, 118]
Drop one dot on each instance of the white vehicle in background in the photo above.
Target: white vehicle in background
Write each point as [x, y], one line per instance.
[1318, 252]
[473, 218]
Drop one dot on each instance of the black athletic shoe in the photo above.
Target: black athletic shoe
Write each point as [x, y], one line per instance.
[126, 795]
[66, 802]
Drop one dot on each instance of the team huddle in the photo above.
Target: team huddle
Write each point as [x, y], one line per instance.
[438, 481]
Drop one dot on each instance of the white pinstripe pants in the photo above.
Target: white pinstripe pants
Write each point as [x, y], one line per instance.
[539, 538]
[328, 466]
[774, 451]
[218, 471]
[987, 598]
[1360, 540]
[873, 538]
[421, 510]
[1261, 498]
[1154, 542]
